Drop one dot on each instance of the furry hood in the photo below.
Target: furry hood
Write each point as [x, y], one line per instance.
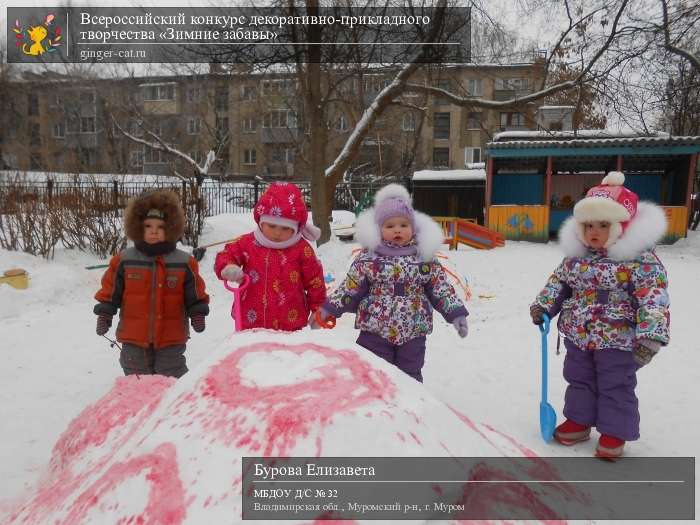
[167, 202]
[428, 233]
[644, 231]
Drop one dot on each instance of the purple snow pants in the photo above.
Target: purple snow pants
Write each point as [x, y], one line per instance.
[601, 390]
[409, 356]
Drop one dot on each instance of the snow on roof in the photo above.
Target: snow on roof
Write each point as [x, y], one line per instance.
[471, 174]
[582, 133]
[583, 139]
[555, 107]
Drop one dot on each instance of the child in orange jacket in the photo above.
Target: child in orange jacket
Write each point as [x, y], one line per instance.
[155, 287]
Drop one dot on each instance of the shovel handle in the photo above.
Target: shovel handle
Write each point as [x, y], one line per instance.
[544, 330]
[242, 286]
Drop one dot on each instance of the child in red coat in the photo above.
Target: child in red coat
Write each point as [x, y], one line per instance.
[286, 277]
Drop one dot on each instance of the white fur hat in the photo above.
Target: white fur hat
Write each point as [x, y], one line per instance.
[608, 202]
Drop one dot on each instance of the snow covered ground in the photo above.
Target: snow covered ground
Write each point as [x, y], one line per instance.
[54, 365]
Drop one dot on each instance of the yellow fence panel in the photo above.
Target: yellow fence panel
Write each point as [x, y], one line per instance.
[520, 223]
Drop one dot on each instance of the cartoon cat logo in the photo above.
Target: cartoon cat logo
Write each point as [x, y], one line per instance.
[37, 35]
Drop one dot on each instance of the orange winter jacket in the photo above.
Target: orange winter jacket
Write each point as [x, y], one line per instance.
[154, 296]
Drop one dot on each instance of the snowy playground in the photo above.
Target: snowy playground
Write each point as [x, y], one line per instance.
[83, 444]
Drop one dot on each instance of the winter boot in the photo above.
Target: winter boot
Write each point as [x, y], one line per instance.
[609, 447]
[570, 433]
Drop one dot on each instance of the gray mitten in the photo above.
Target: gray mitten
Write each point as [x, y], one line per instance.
[461, 326]
[646, 349]
[232, 273]
[103, 324]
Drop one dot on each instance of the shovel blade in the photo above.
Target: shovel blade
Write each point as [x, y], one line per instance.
[548, 421]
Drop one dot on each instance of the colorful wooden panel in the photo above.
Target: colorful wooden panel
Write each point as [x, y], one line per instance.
[520, 223]
[677, 217]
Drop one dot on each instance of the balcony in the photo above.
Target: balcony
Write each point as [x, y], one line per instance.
[280, 135]
[81, 140]
[508, 94]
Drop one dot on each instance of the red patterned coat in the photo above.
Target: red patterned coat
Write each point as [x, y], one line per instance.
[285, 285]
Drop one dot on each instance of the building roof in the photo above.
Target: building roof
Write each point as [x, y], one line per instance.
[587, 138]
[473, 174]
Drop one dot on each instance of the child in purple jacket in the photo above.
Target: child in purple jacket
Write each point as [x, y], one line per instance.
[395, 282]
[611, 296]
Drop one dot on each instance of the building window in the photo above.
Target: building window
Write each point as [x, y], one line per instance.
[511, 120]
[280, 154]
[475, 87]
[556, 126]
[441, 125]
[474, 119]
[87, 156]
[32, 105]
[87, 97]
[194, 94]
[513, 84]
[349, 86]
[135, 127]
[277, 87]
[160, 92]
[472, 155]
[221, 128]
[248, 93]
[249, 157]
[375, 83]
[445, 85]
[280, 118]
[341, 124]
[197, 157]
[409, 122]
[221, 98]
[136, 158]
[249, 125]
[35, 161]
[59, 130]
[441, 157]
[34, 134]
[194, 126]
[154, 156]
[87, 125]
[10, 160]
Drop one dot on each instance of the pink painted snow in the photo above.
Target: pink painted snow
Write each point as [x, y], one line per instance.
[159, 451]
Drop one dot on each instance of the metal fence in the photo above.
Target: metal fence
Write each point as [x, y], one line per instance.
[216, 197]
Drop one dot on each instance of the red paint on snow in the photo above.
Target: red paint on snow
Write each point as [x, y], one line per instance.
[123, 409]
[286, 413]
[127, 398]
[166, 495]
[488, 495]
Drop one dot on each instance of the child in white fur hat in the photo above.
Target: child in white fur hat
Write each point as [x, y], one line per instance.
[395, 283]
[611, 292]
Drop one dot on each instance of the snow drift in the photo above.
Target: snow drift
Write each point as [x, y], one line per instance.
[156, 450]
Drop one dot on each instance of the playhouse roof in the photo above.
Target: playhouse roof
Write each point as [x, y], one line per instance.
[584, 139]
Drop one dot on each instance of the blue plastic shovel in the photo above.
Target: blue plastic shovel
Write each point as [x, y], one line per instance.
[548, 418]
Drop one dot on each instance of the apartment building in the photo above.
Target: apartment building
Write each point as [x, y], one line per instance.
[255, 122]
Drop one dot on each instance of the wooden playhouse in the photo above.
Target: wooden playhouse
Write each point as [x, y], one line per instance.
[534, 178]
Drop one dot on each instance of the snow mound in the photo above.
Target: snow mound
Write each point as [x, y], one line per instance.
[157, 450]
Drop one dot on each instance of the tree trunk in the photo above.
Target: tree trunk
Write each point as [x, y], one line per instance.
[321, 204]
